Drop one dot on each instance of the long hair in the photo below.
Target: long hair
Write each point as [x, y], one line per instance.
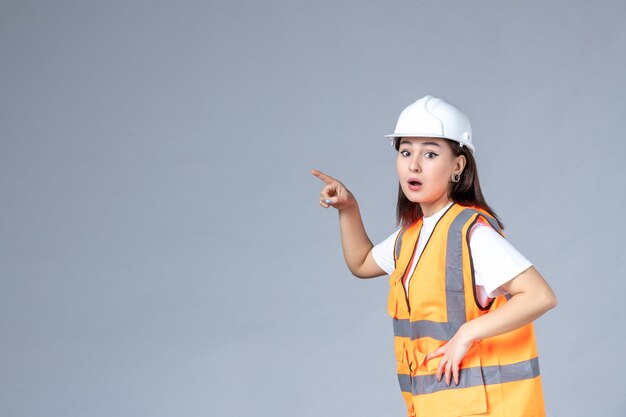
[466, 192]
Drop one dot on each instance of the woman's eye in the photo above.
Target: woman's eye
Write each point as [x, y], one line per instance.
[430, 154]
[405, 153]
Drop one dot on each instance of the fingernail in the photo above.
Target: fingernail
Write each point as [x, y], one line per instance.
[328, 201]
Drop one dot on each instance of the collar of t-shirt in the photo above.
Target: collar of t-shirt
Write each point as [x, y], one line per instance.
[432, 219]
[427, 228]
[429, 224]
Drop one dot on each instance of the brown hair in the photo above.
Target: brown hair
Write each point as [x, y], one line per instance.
[466, 192]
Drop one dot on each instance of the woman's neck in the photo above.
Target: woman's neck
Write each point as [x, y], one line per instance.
[432, 208]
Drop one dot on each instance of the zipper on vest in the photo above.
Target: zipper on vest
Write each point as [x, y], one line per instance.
[405, 289]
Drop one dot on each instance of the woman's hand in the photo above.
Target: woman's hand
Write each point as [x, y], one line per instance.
[531, 296]
[453, 353]
[334, 192]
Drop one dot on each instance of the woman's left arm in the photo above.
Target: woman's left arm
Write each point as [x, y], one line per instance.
[531, 297]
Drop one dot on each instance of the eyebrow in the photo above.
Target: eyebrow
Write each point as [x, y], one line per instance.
[422, 143]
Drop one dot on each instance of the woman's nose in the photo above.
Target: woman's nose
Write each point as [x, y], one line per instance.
[414, 164]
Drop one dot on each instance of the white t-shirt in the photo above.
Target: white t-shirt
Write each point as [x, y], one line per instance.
[495, 260]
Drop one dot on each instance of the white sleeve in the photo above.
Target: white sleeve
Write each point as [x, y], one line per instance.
[383, 253]
[495, 260]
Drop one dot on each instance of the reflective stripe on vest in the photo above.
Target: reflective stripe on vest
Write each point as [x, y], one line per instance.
[471, 377]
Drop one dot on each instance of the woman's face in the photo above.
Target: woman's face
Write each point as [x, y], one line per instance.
[425, 167]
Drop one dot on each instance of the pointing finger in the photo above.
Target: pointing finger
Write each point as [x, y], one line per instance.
[319, 174]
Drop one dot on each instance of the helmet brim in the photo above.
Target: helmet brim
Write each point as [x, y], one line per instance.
[423, 135]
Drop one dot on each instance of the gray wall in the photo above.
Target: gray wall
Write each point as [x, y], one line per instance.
[162, 250]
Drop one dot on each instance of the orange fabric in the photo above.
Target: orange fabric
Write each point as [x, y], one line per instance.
[427, 301]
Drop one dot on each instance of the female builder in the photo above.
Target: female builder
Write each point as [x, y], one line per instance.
[462, 298]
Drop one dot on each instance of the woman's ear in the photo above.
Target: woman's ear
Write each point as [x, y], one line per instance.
[460, 163]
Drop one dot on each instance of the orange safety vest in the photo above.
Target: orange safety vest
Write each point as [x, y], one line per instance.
[499, 376]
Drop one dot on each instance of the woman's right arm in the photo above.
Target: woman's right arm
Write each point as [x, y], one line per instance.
[356, 245]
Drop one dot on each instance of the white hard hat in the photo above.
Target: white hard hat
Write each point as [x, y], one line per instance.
[434, 118]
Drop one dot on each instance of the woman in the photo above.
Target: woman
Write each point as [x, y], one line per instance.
[461, 297]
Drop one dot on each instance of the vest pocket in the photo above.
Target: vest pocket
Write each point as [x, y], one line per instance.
[392, 301]
[435, 398]
[401, 355]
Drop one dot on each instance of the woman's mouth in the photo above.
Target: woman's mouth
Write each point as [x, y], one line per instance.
[415, 185]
